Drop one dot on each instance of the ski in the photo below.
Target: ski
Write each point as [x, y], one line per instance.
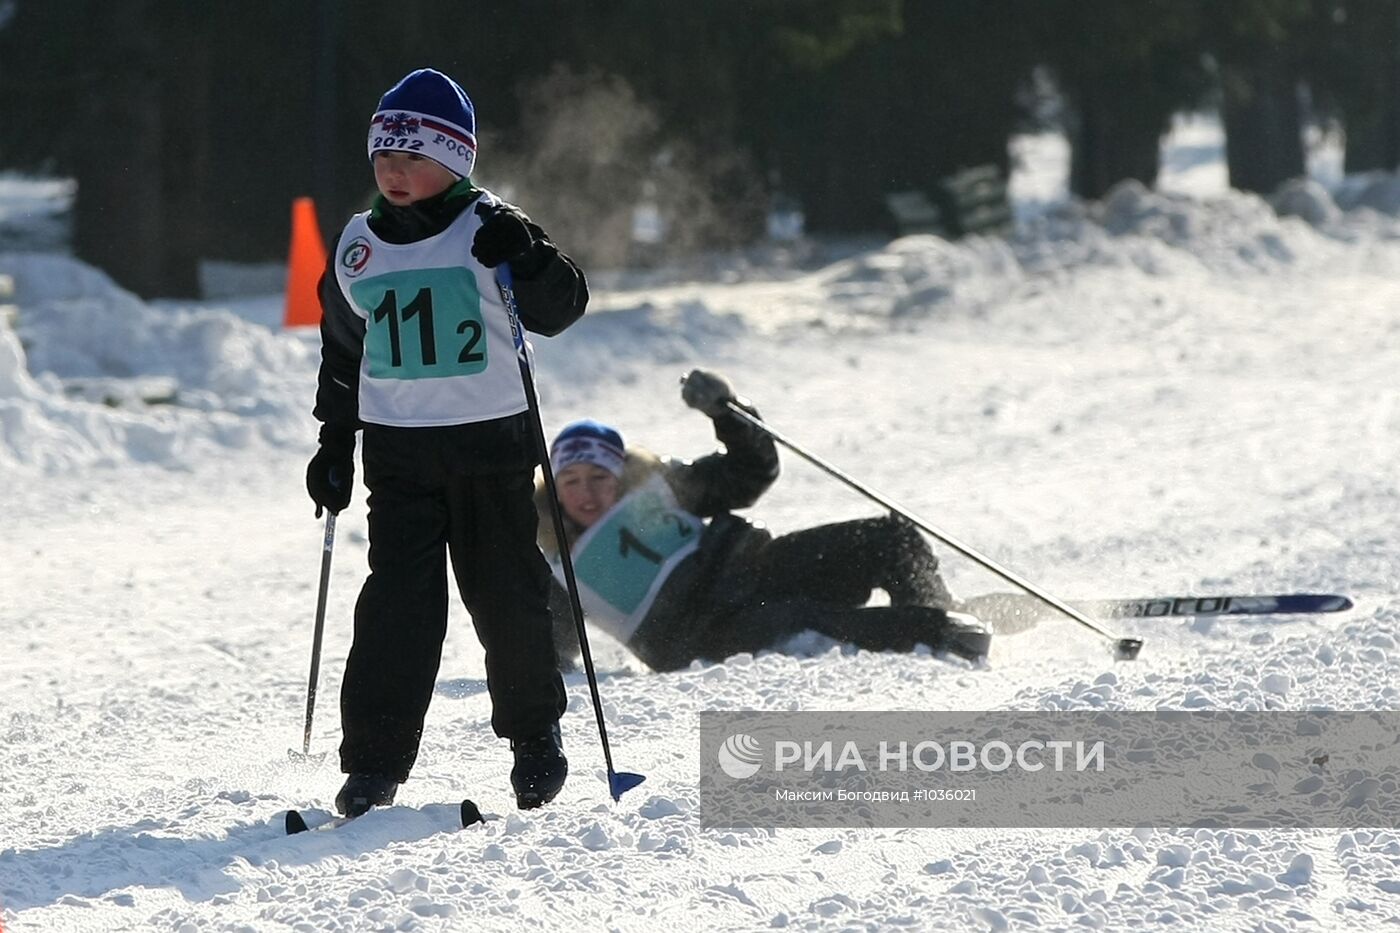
[1008, 613]
[295, 823]
[1275, 604]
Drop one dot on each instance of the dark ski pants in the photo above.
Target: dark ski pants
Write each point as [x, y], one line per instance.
[874, 628]
[421, 510]
[817, 579]
[841, 564]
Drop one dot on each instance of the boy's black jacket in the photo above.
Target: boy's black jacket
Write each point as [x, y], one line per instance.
[550, 292]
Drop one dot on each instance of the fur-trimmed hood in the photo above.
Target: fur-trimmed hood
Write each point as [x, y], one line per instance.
[639, 467]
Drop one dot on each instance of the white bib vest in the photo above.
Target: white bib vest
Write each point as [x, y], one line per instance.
[438, 347]
[623, 559]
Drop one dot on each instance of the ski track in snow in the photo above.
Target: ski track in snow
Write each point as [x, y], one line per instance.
[1160, 395]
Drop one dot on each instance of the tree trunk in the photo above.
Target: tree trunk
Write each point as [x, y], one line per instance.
[1371, 143]
[1373, 122]
[118, 216]
[188, 106]
[1263, 124]
[1112, 139]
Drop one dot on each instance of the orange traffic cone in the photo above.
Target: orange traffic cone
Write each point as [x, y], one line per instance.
[306, 260]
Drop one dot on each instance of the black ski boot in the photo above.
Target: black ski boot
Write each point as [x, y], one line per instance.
[540, 769]
[362, 791]
[965, 636]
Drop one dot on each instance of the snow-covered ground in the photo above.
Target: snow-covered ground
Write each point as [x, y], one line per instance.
[1177, 392]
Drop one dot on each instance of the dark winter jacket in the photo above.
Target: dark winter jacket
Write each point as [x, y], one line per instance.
[709, 581]
[550, 292]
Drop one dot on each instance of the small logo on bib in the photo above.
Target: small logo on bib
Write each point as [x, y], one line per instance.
[356, 256]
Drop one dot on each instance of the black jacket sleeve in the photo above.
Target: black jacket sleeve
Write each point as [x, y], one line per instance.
[342, 347]
[732, 479]
[552, 293]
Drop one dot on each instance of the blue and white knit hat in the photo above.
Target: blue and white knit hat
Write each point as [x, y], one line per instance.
[588, 441]
[427, 113]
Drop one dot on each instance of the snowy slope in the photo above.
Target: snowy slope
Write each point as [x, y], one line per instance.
[1163, 393]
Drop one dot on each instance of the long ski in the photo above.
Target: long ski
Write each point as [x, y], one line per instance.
[1268, 605]
[1013, 612]
[296, 823]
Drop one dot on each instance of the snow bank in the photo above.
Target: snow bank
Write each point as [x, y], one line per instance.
[1142, 237]
[1307, 199]
[78, 324]
[93, 375]
[1377, 191]
[35, 212]
[88, 341]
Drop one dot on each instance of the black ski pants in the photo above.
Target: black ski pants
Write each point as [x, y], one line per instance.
[817, 579]
[821, 578]
[842, 563]
[424, 507]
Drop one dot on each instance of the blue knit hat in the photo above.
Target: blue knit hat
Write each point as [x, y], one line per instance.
[588, 441]
[427, 113]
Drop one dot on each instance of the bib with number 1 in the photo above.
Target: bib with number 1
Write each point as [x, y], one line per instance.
[622, 561]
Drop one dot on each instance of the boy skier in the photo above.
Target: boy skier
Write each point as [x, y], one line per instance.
[417, 350]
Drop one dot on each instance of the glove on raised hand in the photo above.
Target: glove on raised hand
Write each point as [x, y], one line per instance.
[707, 391]
[330, 476]
[504, 236]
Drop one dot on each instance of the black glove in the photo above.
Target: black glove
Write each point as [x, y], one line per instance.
[707, 391]
[504, 236]
[330, 476]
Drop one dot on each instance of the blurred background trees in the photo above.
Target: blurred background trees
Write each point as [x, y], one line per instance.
[190, 127]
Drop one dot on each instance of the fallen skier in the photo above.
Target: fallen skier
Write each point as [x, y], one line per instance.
[665, 567]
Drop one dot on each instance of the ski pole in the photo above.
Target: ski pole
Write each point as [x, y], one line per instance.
[619, 782]
[1125, 649]
[327, 546]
